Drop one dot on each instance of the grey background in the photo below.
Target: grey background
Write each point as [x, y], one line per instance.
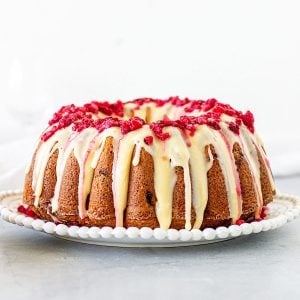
[262, 266]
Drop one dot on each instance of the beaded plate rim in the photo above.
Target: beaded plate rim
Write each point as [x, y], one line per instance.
[283, 209]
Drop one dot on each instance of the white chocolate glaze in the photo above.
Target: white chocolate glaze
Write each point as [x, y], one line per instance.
[251, 156]
[43, 153]
[199, 166]
[176, 154]
[179, 150]
[259, 144]
[223, 148]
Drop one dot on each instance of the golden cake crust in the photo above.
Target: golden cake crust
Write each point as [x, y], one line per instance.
[101, 209]
[140, 210]
[98, 207]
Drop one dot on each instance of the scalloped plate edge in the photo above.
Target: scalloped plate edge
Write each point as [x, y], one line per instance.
[283, 209]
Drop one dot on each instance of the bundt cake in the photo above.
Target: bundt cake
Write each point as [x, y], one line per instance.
[175, 163]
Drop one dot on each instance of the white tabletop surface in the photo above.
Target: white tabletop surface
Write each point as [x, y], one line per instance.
[263, 266]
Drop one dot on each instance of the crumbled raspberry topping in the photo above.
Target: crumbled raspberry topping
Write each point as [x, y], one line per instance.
[141, 101]
[263, 215]
[248, 120]
[194, 105]
[71, 114]
[209, 104]
[87, 116]
[264, 212]
[27, 211]
[234, 127]
[157, 128]
[188, 123]
[148, 140]
[102, 124]
[132, 124]
[239, 222]
[176, 101]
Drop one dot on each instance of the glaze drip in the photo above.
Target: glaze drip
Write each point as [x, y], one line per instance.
[180, 131]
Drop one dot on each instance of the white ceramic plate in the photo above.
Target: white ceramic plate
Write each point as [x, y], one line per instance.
[283, 209]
